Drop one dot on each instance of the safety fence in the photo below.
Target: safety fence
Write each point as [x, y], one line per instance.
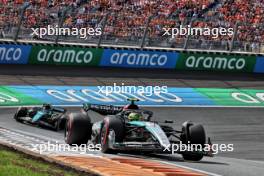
[92, 25]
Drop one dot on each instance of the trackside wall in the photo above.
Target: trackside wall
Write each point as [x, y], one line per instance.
[129, 58]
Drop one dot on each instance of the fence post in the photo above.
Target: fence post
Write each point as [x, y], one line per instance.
[23, 9]
[188, 36]
[61, 21]
[145, 33]
[103, 29]
[233, 38]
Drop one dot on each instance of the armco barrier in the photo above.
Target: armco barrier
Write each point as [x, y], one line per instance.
[65, 55]
[14, 54]
[100, 57]
[139, 59]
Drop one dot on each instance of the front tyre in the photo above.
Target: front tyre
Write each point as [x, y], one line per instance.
[196, 135]
[21, 112]
[78, 129]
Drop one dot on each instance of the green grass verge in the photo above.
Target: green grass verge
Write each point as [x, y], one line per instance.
[14, 163]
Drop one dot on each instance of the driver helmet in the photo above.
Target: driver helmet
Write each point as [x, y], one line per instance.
[133, 116]
[46, 106]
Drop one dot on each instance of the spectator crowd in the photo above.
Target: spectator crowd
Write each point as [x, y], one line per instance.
[127, 19]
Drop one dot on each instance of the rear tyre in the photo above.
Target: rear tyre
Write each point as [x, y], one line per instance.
[21, 112]
[61, 123]
[116, 126]
[196, 135]
[57, 125]
[78, 129]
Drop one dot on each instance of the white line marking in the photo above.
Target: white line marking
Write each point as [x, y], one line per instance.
[190, 168]
[34, 136]
[165, 162]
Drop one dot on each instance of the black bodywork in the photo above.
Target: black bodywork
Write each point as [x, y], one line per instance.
[47, 116]
[116, 133]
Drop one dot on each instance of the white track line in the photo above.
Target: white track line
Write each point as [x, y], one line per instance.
[34, 136]
[190, 168]
[169, 163]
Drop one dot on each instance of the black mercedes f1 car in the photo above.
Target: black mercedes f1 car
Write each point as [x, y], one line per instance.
[130, 128]
[46, 116]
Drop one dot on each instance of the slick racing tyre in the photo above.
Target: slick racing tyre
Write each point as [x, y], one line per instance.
[78, 129]
[195, 135]
[57, 125]
[21, 112]
[115, 126]
[61, 123]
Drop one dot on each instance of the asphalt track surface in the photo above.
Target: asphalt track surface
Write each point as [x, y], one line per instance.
[242, 127]
[65, 75]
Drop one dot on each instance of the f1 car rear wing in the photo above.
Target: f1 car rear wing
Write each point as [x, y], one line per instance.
[102, 109]
[109, 109]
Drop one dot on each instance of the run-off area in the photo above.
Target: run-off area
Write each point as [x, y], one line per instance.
[77, 95]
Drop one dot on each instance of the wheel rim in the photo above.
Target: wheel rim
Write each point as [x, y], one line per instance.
[67, 133]
[103, 135]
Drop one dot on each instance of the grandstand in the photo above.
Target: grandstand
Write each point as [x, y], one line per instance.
[139, 23]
